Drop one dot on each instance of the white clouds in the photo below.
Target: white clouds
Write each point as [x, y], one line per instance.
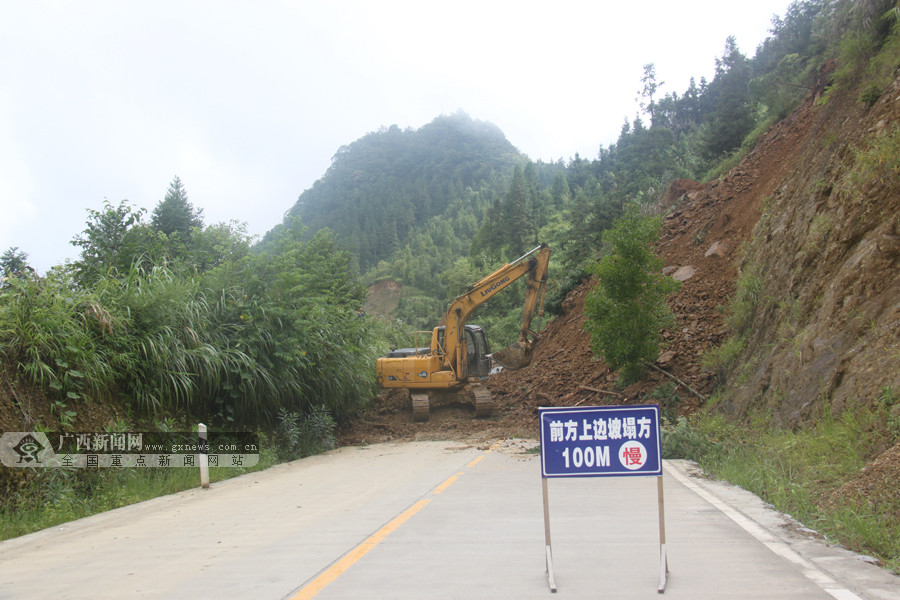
[247, 102]
[17, 209]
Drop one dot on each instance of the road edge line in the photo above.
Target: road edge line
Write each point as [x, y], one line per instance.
[763, 536]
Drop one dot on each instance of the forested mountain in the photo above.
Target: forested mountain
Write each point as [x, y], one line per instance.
[380, 187]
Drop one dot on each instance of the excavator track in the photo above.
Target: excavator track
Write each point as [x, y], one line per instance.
[420, 406]
[484, 403]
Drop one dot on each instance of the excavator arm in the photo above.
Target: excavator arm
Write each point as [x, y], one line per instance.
[518, 355]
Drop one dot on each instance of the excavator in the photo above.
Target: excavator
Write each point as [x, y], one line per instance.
[456, 362]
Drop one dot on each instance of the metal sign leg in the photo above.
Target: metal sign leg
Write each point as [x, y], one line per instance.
[663, 559]
[549, 550]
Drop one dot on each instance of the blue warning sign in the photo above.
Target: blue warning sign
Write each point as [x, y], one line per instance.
[599, 441]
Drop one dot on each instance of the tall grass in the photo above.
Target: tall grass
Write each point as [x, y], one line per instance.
[47, 334]
[164, 343]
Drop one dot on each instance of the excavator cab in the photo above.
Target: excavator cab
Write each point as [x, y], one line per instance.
[478, 353]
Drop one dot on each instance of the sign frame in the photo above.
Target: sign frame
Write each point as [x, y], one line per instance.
[579, 442]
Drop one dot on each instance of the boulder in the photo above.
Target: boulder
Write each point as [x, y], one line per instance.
[684, 273]
[719, 249]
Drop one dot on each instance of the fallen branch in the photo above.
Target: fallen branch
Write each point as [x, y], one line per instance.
[596, 391]
[667, 374]
[593, 391]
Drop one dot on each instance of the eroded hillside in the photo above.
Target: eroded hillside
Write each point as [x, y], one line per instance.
[822, 266]
[807, 237]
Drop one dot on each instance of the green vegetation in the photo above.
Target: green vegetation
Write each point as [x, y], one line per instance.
[405, 189]
[175, 214]
[170, 314]
[172, 318]
[878, 161]
[626, 309]
[815, 471]
[219, 334]
[13, 262]
[61, 495]
[805, 472]
[722, 359]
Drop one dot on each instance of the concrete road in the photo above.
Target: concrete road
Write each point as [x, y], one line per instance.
[435, 520]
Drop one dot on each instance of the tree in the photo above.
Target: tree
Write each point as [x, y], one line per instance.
[510, 224]
[732, 118]
[104, 242]
[216, 245]
[174, 214]
[560, 192]
[649, 89]
[14, 263]
[517, 225]
[626, 309]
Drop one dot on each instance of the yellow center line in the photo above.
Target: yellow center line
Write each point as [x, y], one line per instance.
[348, 560]
[351, 558]
[446, 484]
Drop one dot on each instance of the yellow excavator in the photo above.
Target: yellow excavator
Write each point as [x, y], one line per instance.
[458, 359]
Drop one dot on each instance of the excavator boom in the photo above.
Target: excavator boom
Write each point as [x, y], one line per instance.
[518, 355]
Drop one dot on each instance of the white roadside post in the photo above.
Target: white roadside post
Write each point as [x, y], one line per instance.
[203, 456]
[602, 441]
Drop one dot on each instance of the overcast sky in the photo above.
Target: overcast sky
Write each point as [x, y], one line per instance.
[248, 101]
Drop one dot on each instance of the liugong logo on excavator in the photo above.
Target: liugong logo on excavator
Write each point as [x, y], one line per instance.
[494, 286]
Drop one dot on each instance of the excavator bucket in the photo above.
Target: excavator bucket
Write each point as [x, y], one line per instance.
[515, 356]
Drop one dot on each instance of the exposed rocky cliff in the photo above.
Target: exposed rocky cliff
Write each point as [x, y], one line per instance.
[820, 269]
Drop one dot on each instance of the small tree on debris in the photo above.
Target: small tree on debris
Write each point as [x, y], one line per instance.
[626, 309]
